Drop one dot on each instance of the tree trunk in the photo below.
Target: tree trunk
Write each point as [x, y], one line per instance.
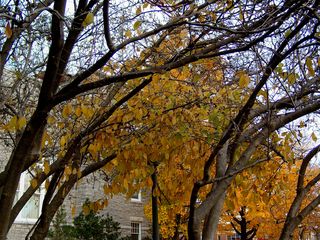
[155, 221]
[211, 225]
[212, 220]
[42, 228]
[21, 154]
[288, 228]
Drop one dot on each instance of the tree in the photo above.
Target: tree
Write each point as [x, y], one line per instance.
[59, 229]
[267, 192]
[305, 187]
[241, 225]
[92, 226]
[98, 55]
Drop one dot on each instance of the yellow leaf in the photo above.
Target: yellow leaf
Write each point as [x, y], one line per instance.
[105, 202]
[202, 18]
[155, 77]
[241, 14]
[46, 167]
[126, 154]
[125, 184]
[145, 5]
[78, 111]
[22, 121]
[175, 73]
[287, 33]
[106, 189]
[291, 78]
[230, 205]
[174, 120]
[128, 34]
[86, 111]
[85, 210]
[140, 114]
[136, 25]
[34, 183]
[73, 211]
[310, 66]
[63, 141]
[12, 124]
[8, 31]
[138, 11]
[79, 173]
[67, 110]
[88, 20]
[244, 79]
[314, 137]
[51, 120]
[238, 195]
[46, 184]
[96, 206]
[68, 170]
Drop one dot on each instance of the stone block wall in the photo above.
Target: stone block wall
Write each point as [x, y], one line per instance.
[122, 210]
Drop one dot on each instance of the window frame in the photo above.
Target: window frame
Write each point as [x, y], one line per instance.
[138, 198]
[139, 229]
[20, 191]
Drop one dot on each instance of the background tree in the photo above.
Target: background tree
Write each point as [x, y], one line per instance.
[240, 224]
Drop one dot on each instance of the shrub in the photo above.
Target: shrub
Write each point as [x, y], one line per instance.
[85, 227]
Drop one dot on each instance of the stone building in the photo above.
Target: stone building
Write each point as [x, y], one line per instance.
[128, 212]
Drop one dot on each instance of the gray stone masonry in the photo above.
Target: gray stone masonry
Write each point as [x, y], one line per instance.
[122, 210]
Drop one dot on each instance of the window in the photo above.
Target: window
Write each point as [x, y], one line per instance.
[31, 211]
[234, 237]
[135, 230]
[136, 197]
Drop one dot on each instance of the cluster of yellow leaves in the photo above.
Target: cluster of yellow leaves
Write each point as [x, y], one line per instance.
[95, 206]
[168, 215]
[173, 122]
[16, 123]
[267, 191]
